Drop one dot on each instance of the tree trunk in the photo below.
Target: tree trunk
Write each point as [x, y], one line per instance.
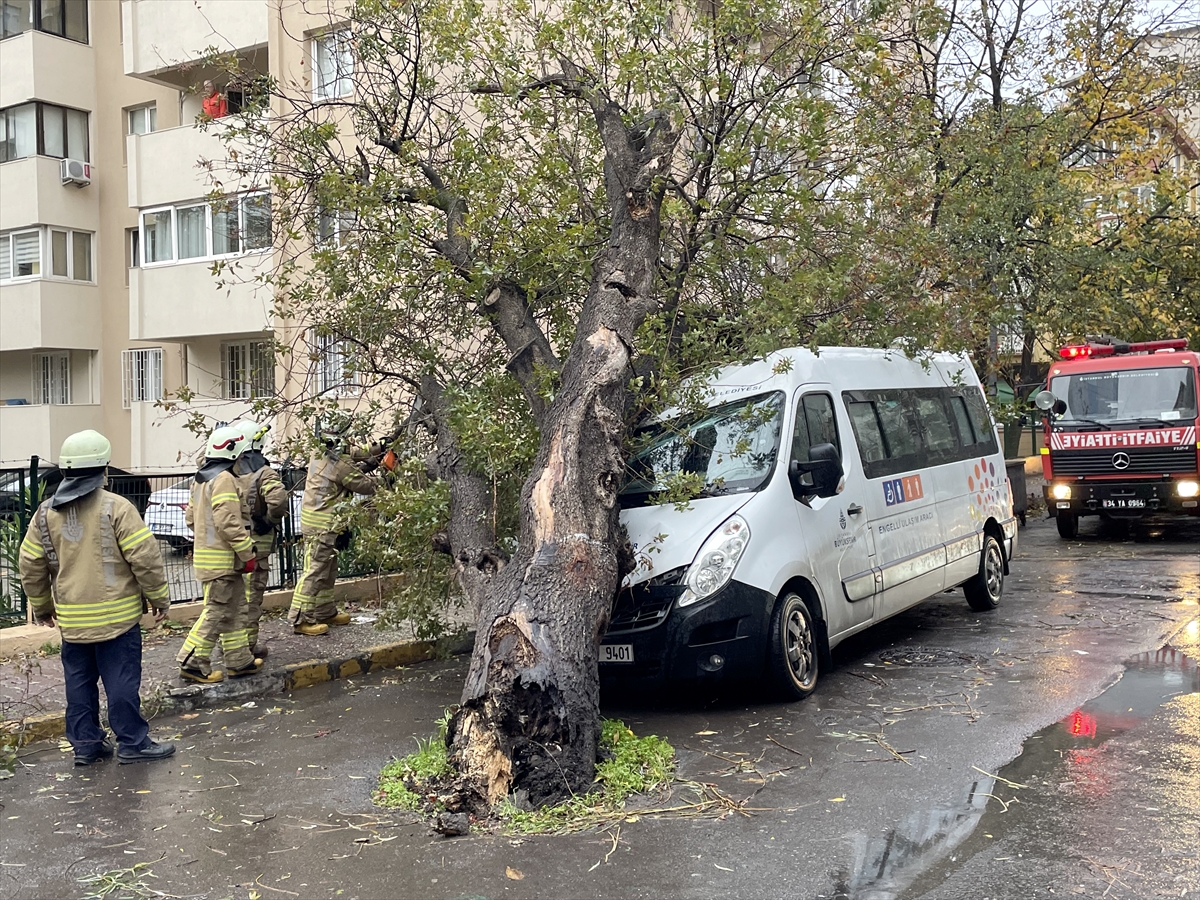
[529, 722]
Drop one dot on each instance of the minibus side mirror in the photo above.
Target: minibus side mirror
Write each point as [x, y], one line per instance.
[820, 476]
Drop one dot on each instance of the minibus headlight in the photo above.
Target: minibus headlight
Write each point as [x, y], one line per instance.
[1188, 488]
[714, 564]
[1061, 492]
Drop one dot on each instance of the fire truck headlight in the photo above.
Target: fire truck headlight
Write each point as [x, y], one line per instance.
[1188, 488]
[1061, 492]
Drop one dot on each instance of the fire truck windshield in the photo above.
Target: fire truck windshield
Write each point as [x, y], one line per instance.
[1127, 395]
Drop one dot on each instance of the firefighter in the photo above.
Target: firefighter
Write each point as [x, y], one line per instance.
[223, 557]
[90, 565]
[266, 504]
[334, 472]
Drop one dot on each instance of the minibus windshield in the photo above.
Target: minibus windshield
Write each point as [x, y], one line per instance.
[1165, 394]
[731, 447]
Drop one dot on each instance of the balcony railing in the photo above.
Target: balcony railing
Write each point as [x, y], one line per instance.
[49, 313]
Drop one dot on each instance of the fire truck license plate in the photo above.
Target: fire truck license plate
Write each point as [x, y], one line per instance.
[616, 653]
[1124, 503]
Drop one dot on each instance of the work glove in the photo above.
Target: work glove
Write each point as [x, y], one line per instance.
[389, 461]
[260, 525]
[250, 565]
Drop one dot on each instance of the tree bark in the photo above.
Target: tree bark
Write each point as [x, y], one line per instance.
[529, 721]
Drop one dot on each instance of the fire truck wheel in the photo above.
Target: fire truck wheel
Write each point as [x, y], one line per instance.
[1068, 525]
[985, 589]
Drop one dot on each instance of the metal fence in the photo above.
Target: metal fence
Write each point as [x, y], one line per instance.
[161, 499]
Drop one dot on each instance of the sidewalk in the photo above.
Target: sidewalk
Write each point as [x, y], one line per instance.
[32, 698]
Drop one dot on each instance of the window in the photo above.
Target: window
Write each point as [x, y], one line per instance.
[141, 119]
[334, 373]
[901, 430]
[332, 66]
[981, 421]
[42, 129]
[133, 250]
[940, 438]
[158, 236]
[193, 232]
[815, 424]
[66, 18]
[141, 376]
[68, 254]
[247, 370]
[52, 378]
[334, 226]
[236, 224]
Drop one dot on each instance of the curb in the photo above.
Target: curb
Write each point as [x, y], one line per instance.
[291, 677]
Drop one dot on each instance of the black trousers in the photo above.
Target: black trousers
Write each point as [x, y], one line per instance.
[118, 663]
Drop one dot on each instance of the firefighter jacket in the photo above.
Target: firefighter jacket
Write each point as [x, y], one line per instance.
[266, 505]
[331, 476]
[217, 515]
[89, 564]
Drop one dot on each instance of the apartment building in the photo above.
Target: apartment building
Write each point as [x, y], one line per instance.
[109, 231]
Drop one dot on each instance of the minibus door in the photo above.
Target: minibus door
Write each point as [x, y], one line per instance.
[836, 529]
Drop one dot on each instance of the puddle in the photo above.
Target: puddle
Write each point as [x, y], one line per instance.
[915, 857]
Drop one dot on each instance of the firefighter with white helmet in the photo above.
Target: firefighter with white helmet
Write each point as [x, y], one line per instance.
[223, 557]
[90, 565]
[266, 505]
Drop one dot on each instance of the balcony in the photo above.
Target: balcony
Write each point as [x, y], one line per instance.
[29, 430]
[183, 301]
[164, 166]
[161, 39]
[37, 66]
[46, 313]
[160, 439]
[31, 191]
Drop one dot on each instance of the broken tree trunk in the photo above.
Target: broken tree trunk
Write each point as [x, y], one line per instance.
[529, 723]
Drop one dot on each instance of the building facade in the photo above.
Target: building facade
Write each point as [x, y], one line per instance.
[117, 220]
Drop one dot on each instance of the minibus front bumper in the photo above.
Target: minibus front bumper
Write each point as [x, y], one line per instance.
[721, 637]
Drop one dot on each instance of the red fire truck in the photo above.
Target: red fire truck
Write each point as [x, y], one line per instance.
[1121, 437]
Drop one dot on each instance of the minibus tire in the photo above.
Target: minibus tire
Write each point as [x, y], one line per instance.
[1068, 525]
[794, 679]
[987, 586]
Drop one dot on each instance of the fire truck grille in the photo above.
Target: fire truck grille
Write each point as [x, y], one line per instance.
[1142, 461]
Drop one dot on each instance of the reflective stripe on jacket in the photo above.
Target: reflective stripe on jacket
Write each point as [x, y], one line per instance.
[217, 517]
[107, 562]
[331, 477]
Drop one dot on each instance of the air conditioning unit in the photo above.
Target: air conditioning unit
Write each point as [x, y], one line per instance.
[76, 172]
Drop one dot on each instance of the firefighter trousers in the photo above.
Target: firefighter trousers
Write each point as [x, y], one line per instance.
[223, 618]
[312, 601]
[256, 586]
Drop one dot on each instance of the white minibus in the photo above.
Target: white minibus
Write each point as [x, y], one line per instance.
[840, 488]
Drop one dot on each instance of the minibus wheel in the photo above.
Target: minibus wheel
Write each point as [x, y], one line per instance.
[794, 647]
[985, 588]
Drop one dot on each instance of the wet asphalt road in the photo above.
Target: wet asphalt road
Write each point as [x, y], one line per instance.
[1048, 749]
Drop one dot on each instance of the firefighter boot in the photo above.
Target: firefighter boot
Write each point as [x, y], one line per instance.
[199, 677]
[251, 669]
[339, 619]
[311, 629]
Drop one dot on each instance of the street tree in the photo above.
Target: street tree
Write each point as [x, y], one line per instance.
[520, 225]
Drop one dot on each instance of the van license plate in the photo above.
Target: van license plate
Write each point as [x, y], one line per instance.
[616, 653]
[1124, 503]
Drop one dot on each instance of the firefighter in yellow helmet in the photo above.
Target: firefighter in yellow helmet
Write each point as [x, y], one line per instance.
[223, 557]
[334, 472]
[90, 565]
[266, 505]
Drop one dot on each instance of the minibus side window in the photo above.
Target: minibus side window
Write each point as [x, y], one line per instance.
[982, 421]
[815, 424]
[936, 430]
[966, 432]
[867, 432]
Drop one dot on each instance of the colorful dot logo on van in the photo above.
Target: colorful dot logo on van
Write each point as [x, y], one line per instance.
[983, 489]
[902, 490]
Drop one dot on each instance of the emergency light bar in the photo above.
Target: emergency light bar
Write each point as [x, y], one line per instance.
[1112, 347]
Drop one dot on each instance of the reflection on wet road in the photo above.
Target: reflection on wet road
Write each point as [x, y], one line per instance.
[922, 849]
